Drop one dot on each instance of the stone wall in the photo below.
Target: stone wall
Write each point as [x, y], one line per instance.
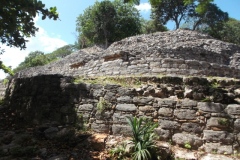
[3, 86]
[203, 113]
[180, 52]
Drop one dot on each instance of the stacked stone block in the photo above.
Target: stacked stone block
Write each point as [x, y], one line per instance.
[177, 104]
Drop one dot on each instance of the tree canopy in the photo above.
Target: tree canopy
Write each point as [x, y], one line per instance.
[36, 58]
[106, 22]
[230, 31]
[176, 11]
[17, 22]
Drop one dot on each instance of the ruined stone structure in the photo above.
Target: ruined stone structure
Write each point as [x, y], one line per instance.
[180, 52]
[190, 108]
[196, 111]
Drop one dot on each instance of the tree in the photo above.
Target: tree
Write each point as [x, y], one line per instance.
[104, 18]
[36, 58]
[212, 18]
[127, 21]
[17, 21]
[230, 31]
[151, 26]
[176, 11]
[61, 52]
[202, 4]
[106, 22]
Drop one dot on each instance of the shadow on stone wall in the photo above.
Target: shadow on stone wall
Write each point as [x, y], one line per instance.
[43, 99]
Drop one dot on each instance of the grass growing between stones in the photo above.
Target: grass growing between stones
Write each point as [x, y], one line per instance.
[133, 81]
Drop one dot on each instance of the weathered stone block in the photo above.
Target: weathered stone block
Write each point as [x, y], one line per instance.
[100, 128]
[218, 148]
[185, 114]
[126, 107]
[120, 118]
[121, 129]
[143, 100]
[124, 99]
[210, 107]
[187, 103]
[167, 124]
[184, 138]
[163, 134]
[85, 107]
[218, 136]
[146, 109]
[165, 112]
[192, 127]
[233, 109]
[237, 125]
[166, 102]
[218, 122]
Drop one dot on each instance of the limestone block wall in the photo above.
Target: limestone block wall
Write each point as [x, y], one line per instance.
[202, 113]
[179, 52]
[3, 87]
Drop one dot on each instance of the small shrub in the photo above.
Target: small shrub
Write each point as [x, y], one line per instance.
[187, 145]
[102, 105]
[119, 152]
[143, 138]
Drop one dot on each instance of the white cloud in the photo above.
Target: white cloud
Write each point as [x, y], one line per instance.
[42, 42]
[144, 7]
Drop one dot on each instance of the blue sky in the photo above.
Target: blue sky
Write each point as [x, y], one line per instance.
[55, 34]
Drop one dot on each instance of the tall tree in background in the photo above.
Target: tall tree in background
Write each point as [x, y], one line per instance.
[104, 18]
[151, 26]
[231, 31]
[212, 18]
[17, 21]
[106, 22]
[201, 7]
[176, 11]
[127, 21]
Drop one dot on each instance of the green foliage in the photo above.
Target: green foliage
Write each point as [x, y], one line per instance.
[36, 58]
[230, 31]
[177, 11]
[61, 52]
[119, 152]
[102, 105]
[187, 145]
[224, 122]
[17, 20]
[136, 2]
[207, 99]
[5, 81]
[106, 22]
[209, 21]
[143, 137]
[151, 26]
[6, 69]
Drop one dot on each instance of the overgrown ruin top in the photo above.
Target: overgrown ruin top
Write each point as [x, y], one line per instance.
[180, 52]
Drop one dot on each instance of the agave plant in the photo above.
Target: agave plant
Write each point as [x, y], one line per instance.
[143, 137]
